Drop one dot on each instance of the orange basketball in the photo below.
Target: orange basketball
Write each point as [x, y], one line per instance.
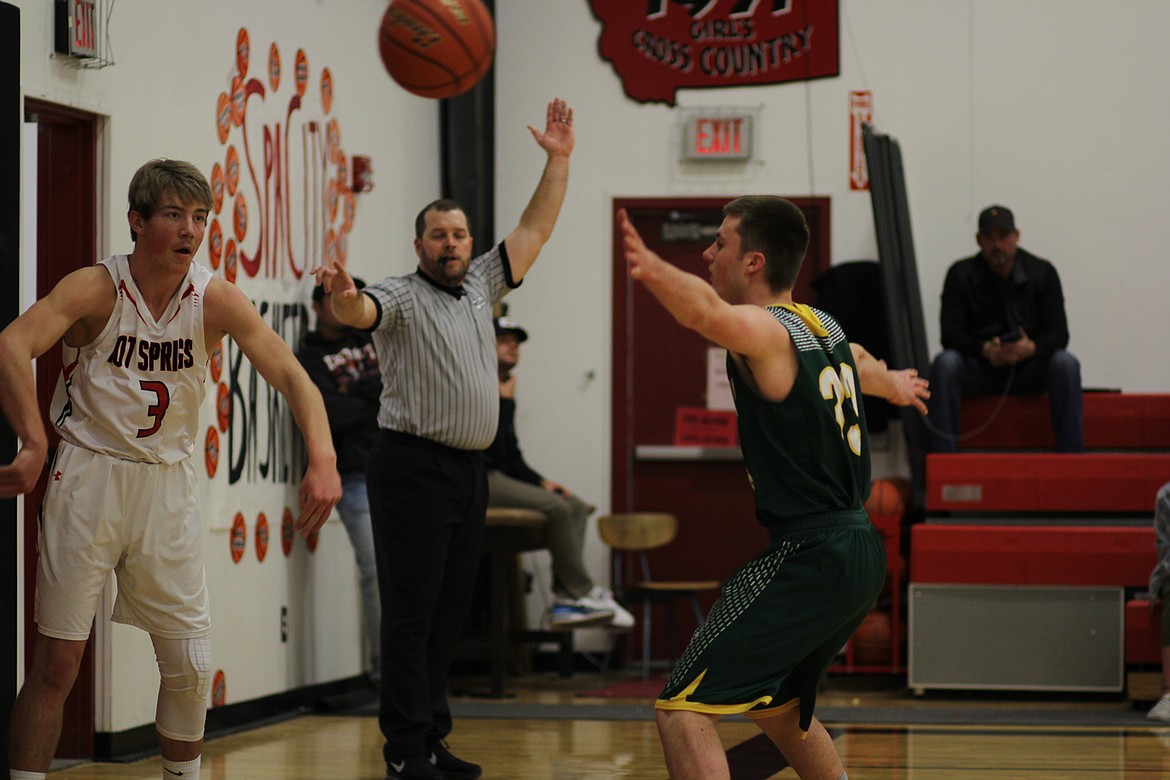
[887, 497]
[871, 640]
[437, 48]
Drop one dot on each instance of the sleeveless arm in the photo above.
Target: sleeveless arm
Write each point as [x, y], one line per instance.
[229, 312]
[77, 307]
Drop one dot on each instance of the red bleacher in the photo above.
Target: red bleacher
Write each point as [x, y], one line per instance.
[1032, 554]
[1045, 481]
[994, 490]
[1143, 644]
[1113, 421]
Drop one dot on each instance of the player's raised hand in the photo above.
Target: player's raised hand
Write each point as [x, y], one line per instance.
[558, 136]
[640, 259]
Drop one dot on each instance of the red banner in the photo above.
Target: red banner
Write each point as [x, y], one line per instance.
[659, 46]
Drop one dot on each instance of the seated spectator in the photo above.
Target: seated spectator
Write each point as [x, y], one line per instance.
[1004, 331]
[513, 483]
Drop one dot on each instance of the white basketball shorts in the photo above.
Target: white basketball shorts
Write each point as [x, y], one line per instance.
[139, 520]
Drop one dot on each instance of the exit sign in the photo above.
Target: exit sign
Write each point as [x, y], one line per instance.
[717, 135]
[76, 32]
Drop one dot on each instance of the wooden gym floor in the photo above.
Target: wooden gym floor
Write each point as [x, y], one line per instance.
[547, 730]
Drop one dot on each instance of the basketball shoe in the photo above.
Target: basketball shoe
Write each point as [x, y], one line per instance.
[451, 767]
[1161, 710]
[601, 599]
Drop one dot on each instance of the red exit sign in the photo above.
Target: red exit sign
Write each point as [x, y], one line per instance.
[77, 27]
[717, 135]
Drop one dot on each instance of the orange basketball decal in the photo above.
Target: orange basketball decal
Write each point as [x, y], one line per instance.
[223, 407]
[333, 140]
[211, 451]
[240, 217]
[216, 187]
[243, 51]
[288, 534]
[237, 100]
[232, 170]
[215, 362]
[230, 259]
[274, 67]
[326, 90]
[238, 537]
[215, 243]
[218, 689]
[348, 212]
[223, 116]
[332, 200]
[302, 72]
[261, 537]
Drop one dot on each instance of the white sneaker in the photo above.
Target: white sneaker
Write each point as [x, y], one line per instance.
[576, 614]
[1161, 710]
[600, 598]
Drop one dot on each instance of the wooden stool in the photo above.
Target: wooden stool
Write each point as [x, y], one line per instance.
[509, 531]
[637, 532]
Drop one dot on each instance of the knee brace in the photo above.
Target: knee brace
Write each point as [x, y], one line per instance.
[184, 667]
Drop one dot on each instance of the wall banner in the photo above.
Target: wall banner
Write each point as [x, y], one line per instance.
[659, 46]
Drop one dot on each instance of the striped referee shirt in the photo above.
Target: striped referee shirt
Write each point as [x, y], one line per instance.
[437, 352]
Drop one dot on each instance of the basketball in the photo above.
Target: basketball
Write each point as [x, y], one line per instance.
[871, 640]
[887, 498]
[437, 48]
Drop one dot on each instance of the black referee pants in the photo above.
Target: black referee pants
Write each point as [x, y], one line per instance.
[427, 504]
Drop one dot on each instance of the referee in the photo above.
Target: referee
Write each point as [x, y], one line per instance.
[439, 407]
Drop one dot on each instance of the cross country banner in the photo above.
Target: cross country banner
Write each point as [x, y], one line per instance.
[660, 46]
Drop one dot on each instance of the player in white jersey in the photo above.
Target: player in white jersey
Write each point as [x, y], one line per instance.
[122, 497]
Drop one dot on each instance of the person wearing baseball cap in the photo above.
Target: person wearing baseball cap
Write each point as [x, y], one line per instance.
[1004, 331]
[578, 601]
[504, 325]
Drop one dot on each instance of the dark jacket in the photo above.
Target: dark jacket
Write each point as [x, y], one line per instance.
[346, 372]
[504, 452]
[978, 305]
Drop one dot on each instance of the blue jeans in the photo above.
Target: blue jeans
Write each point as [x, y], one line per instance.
[954, 376]
[354, 508]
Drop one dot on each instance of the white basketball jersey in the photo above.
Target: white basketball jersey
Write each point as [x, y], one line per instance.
[135, 391]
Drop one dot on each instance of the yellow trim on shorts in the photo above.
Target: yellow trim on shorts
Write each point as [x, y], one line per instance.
[772, 712]
[681, 702]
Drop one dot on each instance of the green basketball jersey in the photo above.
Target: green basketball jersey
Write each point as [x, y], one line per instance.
[808, 454]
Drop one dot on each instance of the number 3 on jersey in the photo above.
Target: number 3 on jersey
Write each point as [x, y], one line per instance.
[157, 411]
[836, 389]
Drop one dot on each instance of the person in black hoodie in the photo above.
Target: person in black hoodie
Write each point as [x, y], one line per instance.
[513, 483]
[343, 364]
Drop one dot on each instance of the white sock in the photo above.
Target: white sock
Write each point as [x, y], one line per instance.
[20, 774]
[189, 770]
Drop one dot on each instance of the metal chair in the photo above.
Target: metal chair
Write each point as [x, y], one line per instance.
[636, 532]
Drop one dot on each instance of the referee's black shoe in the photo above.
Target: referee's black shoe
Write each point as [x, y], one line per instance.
[413, 768]
[451, 767]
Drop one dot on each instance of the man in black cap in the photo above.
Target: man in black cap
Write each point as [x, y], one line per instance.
[513, 483]
[1004, 331]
